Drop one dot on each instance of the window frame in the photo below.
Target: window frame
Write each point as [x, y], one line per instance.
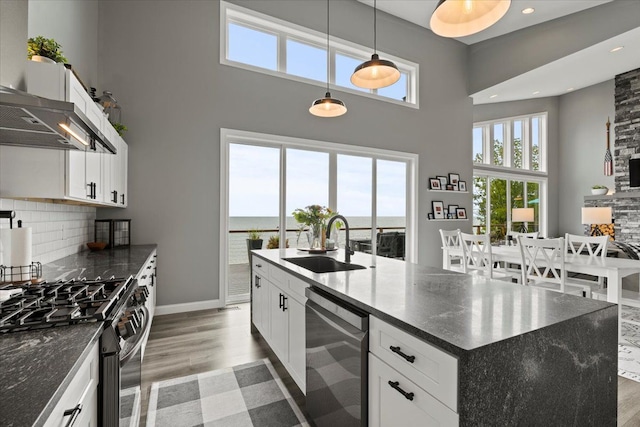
[284, 30]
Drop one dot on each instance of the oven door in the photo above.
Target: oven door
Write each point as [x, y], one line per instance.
[131, 371]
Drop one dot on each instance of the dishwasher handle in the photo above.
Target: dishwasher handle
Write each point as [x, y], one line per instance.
[340, 309]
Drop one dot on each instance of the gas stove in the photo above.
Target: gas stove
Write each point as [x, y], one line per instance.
[34, 306]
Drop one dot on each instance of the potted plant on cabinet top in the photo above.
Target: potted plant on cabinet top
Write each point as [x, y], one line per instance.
[42, 49]
[274, 242]
[253, 241]
[599, 190]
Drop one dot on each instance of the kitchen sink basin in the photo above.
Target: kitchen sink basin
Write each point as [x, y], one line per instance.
[323, 264]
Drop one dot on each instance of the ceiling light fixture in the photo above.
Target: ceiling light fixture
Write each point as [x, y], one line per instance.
[570, 89]
[615, 49]
[375, 73]
[73, 134]
[493, 96]
[459, 18]
[327, 106]
[536, 92]
[528, 11]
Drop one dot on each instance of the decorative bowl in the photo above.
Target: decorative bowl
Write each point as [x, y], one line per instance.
[96, 246]
[599, 191]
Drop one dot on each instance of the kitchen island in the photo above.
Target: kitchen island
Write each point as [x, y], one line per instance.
[524, 356]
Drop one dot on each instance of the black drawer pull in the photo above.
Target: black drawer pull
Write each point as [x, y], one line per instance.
[281, 301]
[259, 265]
[74, 414]
[396, 386]
[409, 359]
[284, 300]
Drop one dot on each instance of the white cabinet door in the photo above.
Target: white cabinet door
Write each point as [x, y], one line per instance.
[279, 327]
[297, 351]
[258, 301]
[76, 178]
[396, 401]
[94, 175]
[123, 154]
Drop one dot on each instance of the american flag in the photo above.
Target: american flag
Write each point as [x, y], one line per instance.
[608, 163]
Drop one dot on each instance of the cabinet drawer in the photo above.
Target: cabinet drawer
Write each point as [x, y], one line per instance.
[258, 265]
[297, 287]
[279, 276]
[394, 400]
[429, 367]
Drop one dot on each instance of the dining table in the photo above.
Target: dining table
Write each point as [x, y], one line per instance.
[613, 269]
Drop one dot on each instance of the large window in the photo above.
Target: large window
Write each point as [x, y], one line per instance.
[509, 158]
[265, 44]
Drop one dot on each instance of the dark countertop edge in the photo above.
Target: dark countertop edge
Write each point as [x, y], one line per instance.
[419, 333]
[55, 398]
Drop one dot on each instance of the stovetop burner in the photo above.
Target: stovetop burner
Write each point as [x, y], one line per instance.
[60, 303]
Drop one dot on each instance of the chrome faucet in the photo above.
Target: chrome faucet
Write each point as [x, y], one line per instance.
[347, 250]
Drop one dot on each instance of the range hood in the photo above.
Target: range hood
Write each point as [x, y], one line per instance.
[33, 121]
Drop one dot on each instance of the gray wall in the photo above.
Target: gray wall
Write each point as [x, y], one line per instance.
[13, 43]
[582, 132]
[176, 96]
[549, 105]
[73, 24]
[501, 58]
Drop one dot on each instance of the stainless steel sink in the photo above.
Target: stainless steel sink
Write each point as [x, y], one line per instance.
[323, 264]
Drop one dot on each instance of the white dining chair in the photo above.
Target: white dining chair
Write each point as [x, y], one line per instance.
[478, 259]
[451, 241]
[595, 247]
[516, 234]
[543, 266]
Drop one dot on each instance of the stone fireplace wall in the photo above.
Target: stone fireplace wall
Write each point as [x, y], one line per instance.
[626, 201]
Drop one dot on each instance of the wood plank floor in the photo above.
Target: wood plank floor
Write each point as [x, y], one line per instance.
[190, 343]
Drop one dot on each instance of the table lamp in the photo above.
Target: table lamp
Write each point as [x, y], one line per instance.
[597, 215]
[522, 215]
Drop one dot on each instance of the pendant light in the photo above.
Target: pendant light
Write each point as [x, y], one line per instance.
[328, 106]
[375, 73]
[459, 18]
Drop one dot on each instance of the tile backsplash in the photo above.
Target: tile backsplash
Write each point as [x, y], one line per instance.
[58, 229]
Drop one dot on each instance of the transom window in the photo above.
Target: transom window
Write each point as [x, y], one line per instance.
[261, 43]
[510, 171]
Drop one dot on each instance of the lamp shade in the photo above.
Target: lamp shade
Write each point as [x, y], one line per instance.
[327, 107]
[522, 214]
[459, 18]
[375, 73]
[598, 215]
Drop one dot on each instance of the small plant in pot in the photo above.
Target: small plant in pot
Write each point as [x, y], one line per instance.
[42, 49]
[599, 190]
[274, 242]
[254, 241]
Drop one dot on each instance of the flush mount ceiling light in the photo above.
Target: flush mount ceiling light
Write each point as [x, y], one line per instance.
[375, 73]
[528, 11]
[615, 49]
[327, 106]
[493, 96]
[459, 18]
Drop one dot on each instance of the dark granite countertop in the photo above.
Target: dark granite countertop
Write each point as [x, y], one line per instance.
[36, 366]
[455, 311]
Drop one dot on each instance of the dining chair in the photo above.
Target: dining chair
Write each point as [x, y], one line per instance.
[595, 247]
[451, 241]
[516, 234]
[478, 259]
[543, 266]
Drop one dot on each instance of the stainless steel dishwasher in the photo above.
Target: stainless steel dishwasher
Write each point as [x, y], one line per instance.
[337, 342]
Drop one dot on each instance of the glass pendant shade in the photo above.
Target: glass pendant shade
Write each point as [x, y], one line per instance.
[327, 107]
[459, 18]
[375, 74]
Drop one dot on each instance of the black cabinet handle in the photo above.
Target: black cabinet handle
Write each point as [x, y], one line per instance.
[257, 281]
[122, 197]
[284, 300]
[281, 301]
[74, 414]
[115, 196]
[396, 386]
[259, 265]
[409, 359]
[90, 185]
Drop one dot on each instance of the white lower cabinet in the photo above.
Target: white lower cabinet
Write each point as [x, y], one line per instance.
[80, 399]
[394, 400]
[278, 312]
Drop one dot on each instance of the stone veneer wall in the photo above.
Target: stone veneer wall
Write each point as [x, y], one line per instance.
[626, 201]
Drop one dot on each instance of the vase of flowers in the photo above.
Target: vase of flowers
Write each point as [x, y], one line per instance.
[315, 217]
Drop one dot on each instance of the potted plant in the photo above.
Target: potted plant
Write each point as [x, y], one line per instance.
[315, 217]
[253, 241]
[42, 49]
[120, 128]
[274, 242]
[599, 190]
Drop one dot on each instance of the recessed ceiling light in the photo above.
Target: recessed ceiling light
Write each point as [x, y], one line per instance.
[493, 96]
[528, 11]
[570, 89]
[615, 49]
[536, 92]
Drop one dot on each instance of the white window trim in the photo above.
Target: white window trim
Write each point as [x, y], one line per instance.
[234, 136]
[244, 16]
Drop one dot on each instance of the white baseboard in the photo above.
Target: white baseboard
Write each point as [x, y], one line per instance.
[188, 306]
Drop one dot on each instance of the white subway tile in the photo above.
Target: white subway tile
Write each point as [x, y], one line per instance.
[6, 204]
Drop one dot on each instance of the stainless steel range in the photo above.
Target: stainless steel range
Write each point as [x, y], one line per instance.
[118, 303]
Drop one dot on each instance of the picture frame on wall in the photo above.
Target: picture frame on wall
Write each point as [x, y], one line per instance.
[434, 184]
[453, 179]
[438, 209]
[449, 187]
[443, 181]
[453, 211]
[450, 216]
[455, 187]
[430, 215]
[462, 185]
[461, 213]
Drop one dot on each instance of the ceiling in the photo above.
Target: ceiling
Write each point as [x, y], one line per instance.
[579, 70]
